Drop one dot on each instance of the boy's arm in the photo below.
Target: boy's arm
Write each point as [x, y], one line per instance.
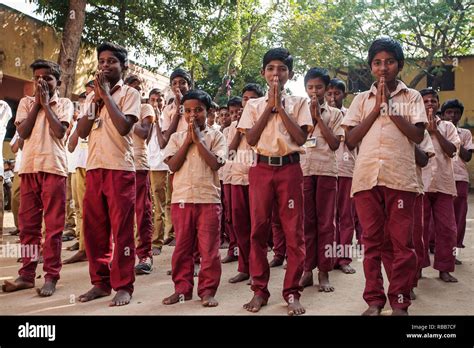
[421, 158]
[414, 132]
[211, 159]
[327, 133]
[142, 129]
[174, 157]
[234, 144]
[465, 154]
[355, 134]
[73, 140]
[25, 126]
[253, 134]
[299, 134]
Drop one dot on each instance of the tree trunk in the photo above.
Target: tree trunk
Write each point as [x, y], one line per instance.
[70, 43]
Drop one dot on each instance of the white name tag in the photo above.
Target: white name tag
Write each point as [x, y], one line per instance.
[310, 142]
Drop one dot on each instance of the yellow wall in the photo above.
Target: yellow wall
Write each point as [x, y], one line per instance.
[24, 39]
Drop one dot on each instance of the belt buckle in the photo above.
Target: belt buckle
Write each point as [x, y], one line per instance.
[278, 164]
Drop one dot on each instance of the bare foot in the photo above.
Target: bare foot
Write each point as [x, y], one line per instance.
[412, 294]
[80, 256]
[250, 281]
[229, 258]
[255, 304]
[307, 279]
[156, 251]
[209, 301]
[240, 277]
[448, 278]
[48, 288]
[295, 308]
[175, 298]
[93, 293]
[347, 269]
[276, 262]
[324, 285]
[121, 298]
[397, 312]
[18, 284]
[372, 311]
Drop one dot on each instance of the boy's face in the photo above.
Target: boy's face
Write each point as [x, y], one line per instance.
[431, 102]
[248, 95]
[335, 94]
[180, 83]
[276, 68]
[156, 100]
[50, 79]
[110, 66]
[235, 112]
[452, 114]
[195, 111]
[136, 85]
[385, 64]
[211, 116]
[225, 117]
[316, 87]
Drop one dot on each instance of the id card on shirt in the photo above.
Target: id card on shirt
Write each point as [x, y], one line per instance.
[310, 142]
[97, 123]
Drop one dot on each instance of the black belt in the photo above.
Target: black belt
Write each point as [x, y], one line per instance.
[279, 161]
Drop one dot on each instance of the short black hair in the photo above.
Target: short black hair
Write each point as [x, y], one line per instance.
[281, 54]
[180, 72]
[452, 104]
[131, 79]
[338, 84]
[155, 91]
[53, 67]
[223, 107]
[317, 73]
[199, 95]
[235, 101]
[82, 95]
[118, 51]
[254, 87]
[386, 44]
[214, 105]
[426, 91]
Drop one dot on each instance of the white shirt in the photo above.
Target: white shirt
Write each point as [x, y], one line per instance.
[155, 154]
[5, 116]
[15, 138]
[78, 158]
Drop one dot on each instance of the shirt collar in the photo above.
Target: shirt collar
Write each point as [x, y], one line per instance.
[400, 87]
[283, 93]
[52, 100]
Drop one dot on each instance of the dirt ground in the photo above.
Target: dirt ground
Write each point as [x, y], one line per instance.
[434, 296]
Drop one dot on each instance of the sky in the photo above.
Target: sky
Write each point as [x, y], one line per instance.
[296, 86]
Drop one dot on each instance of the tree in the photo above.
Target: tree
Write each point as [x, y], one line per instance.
[70, 43]
[337, 34]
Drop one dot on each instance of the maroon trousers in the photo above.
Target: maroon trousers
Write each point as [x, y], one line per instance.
[319, 226]
[229, 228]
[196, 225]
[241, 224]
[385, 213]
[283, 184]
[440, 207]
[460, 210]
[418, 222]
[41, 194]
[144, 214]
[344, 217]
[277, 236]
[109, 209]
